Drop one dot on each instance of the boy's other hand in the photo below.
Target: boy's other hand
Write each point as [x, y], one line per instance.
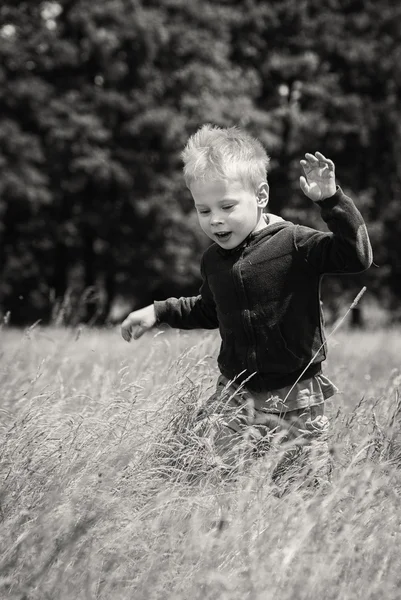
[319, 181]
[137, 322]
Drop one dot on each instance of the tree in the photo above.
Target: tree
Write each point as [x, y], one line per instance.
[98, 100]
[331, 80]
[110, 93]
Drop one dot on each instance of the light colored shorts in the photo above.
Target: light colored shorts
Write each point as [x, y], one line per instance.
[304, 394]
[291, 414]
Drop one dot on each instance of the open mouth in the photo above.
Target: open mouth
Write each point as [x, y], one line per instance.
[223, 236]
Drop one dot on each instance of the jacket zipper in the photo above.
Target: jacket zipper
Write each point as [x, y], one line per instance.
[245, 316]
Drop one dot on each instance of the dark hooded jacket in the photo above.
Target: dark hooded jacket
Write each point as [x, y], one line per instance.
[264, 295]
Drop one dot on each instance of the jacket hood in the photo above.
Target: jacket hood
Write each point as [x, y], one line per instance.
[273, 224]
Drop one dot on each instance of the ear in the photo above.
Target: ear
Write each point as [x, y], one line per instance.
[262, 194]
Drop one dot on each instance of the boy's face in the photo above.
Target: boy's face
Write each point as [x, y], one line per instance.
[227, 211]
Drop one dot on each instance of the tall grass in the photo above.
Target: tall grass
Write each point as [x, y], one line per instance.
[96, 444]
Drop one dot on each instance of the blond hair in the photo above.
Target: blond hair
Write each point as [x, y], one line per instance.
[230, 153]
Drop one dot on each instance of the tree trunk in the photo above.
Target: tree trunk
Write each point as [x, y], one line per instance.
[90, 305]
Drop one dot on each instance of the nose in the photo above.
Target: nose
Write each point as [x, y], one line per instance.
[216, 220]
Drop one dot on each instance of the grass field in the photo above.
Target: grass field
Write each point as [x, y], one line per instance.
[95, 502]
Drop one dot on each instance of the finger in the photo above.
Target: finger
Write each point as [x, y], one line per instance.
[327, 161]
[329, 164]
[126, 329]
[311, 159]
[126, 333]
[304, 185]
[139, 331]
[305, 167]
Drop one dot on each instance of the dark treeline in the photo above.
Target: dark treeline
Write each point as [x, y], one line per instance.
[98, 98]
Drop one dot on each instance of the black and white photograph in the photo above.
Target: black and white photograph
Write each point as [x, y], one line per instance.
[200, 300]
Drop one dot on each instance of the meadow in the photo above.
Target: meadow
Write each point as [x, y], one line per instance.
[96, 501]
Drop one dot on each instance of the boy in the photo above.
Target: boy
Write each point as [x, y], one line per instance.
[260, 283]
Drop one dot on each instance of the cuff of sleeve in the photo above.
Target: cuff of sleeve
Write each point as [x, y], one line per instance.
[159, 306]
[331, 200]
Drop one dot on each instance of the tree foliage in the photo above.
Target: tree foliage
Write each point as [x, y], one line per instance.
[98, 99]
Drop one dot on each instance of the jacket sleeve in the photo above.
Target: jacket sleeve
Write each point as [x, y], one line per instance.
[346, 249]
[196, 312]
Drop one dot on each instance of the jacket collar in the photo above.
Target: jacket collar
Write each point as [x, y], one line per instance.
[273, 222]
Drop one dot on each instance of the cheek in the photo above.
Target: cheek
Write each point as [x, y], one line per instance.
[252, 212]
[203, 224]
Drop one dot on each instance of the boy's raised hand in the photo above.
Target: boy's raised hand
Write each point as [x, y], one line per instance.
[142, 320]
[318, 181]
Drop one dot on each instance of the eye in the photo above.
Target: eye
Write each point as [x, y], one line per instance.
[228, 206]
[203, 212]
